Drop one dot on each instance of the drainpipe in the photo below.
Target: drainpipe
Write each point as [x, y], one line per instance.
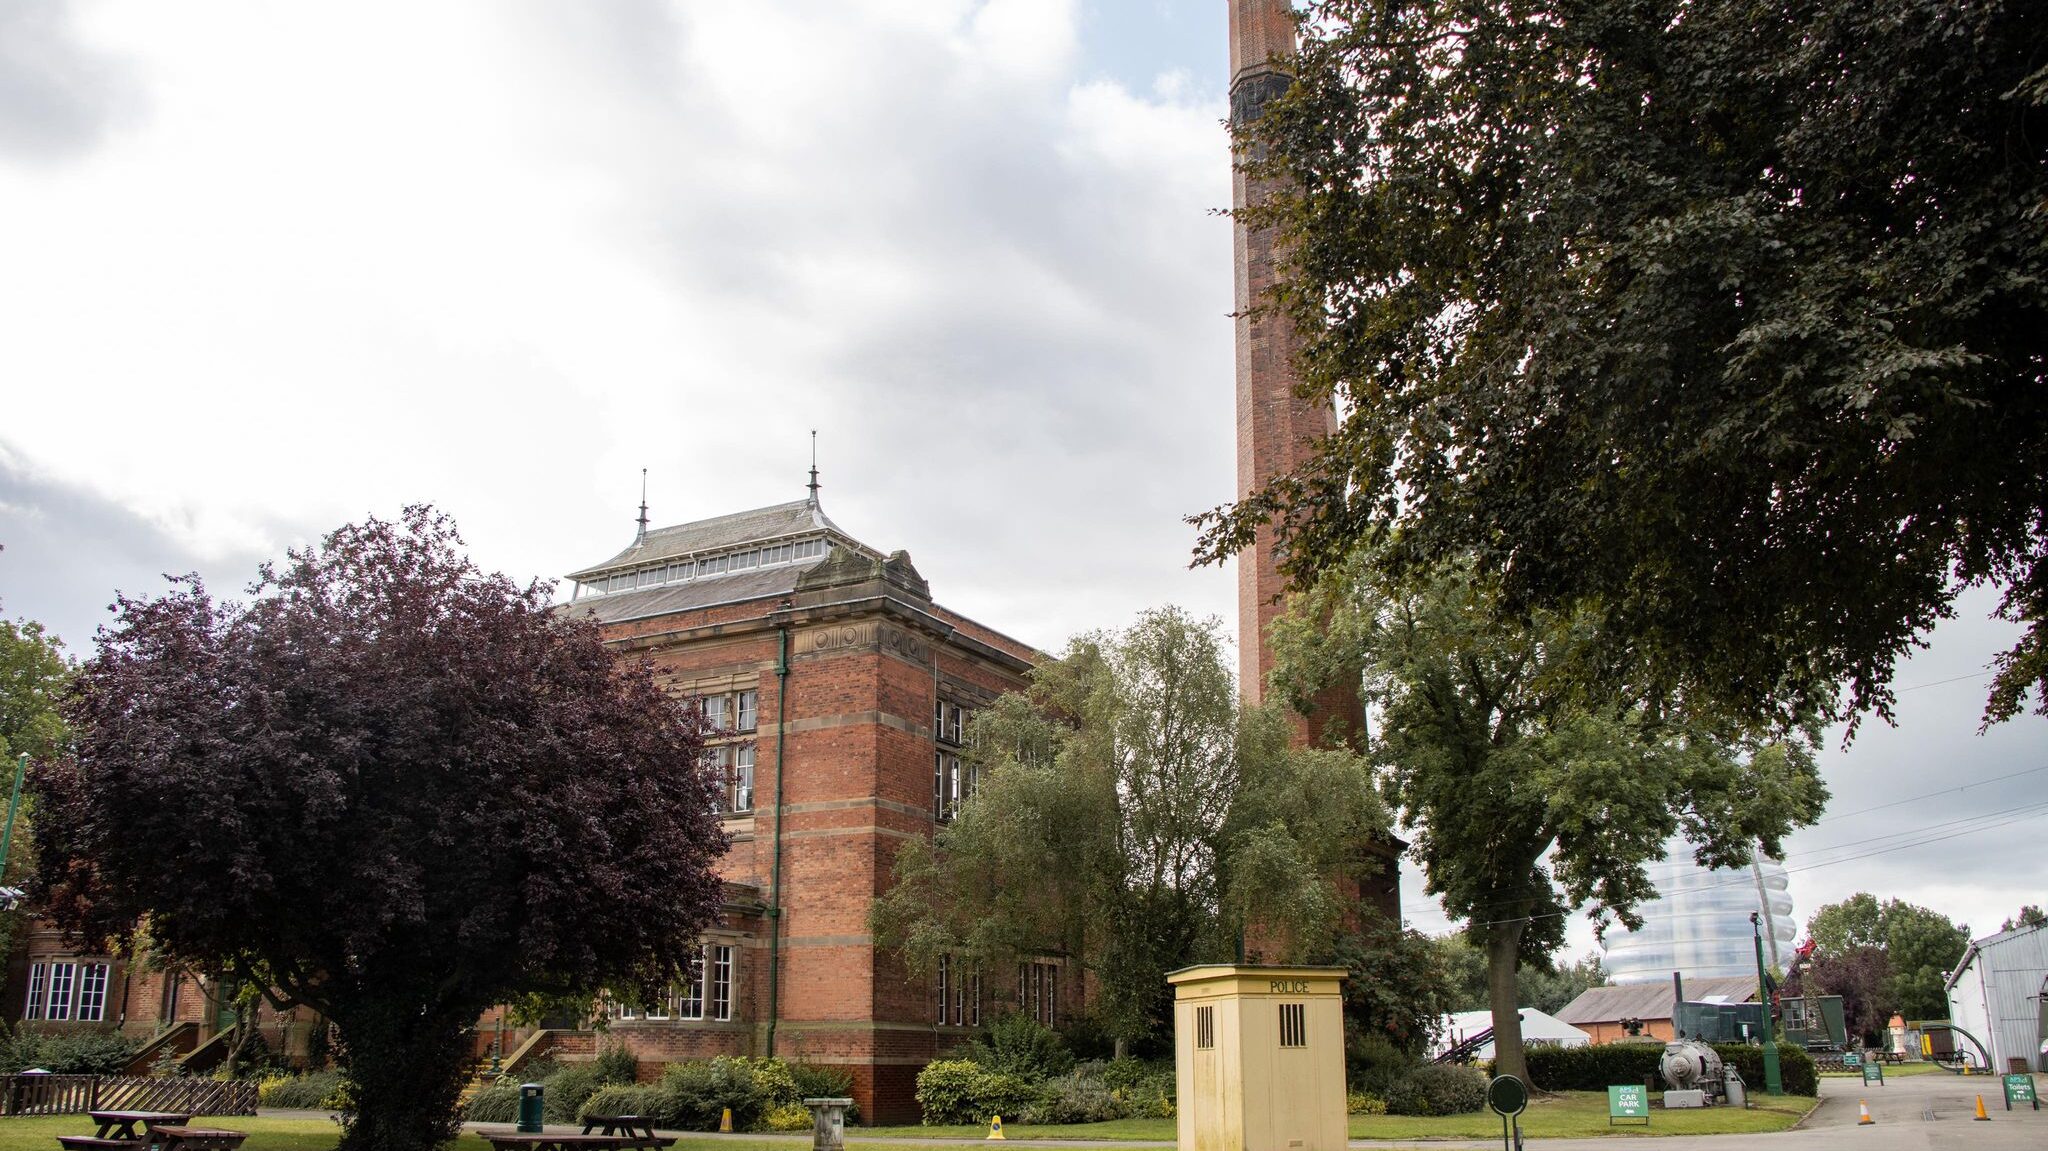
[775, 874]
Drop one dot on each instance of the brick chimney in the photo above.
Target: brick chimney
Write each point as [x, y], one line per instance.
[1276, 430]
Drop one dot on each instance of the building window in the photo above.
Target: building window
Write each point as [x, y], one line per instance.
[747, 706]
[36, 976]
[1294, 1025]
[739, 791]
[1205, 1027]
[734, 711]
[690, 1003]
[714, 708]
[948, 721]
[718, 981]
[959, 994]
[92, 992]
[1037, 991]
[60, 990]
[625, 1011]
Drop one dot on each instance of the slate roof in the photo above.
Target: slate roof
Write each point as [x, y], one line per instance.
[698, 593]
[1651, 1000]
[796, 518]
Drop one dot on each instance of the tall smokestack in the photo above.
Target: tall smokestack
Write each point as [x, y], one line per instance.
[1276, 430]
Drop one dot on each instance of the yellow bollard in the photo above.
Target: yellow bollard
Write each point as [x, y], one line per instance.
[1981, 1117]
[995, 1128]
[1863, 1114]
[725, 1121]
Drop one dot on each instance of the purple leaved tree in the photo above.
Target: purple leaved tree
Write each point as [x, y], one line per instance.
[391, 787]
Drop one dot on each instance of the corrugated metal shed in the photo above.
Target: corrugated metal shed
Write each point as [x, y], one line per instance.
[1650, 1000]
[1997, 986]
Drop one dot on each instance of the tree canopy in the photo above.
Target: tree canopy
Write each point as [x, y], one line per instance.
[390, 786]
[1526, 796]
[33, 677]
[1128, 816]
[2030, 915]
[1901, 953]
[1726, 322]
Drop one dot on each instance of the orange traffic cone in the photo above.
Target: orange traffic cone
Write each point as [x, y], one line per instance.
[1981, 1117]
[1863, 1118]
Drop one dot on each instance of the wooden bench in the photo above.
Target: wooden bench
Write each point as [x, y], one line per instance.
[173, 1138]
[515, 1141]
[95, 1143]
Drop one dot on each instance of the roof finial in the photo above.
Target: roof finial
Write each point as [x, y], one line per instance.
[813, 485]
[642, 536]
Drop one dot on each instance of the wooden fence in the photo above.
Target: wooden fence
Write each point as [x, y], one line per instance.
[77, 1094]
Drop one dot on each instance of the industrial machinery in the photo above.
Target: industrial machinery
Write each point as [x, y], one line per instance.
[1690, 1065]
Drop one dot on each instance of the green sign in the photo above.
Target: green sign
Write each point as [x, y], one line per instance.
[1631, 1101]
[1873, 1073]
[2020, 1089]
[1851, 1059]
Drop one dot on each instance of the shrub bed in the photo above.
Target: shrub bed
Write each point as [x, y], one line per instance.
[1437, 1089]
[321, 1089]
[95, 1051]
[962, 1091]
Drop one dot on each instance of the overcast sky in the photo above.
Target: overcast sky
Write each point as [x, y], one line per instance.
[268, 268]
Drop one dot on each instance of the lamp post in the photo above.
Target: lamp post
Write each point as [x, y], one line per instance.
[1774, 1083]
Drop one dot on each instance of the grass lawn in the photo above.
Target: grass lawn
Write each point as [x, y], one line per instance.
[1571, 1113]
[1568, 1113]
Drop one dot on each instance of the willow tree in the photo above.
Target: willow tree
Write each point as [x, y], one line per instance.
[390, 787]
[1528, 786]
[1130, 818]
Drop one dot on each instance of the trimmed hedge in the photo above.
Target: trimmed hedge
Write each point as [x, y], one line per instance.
[1595, 1067]
[1795, 1067]
[1600, 1066]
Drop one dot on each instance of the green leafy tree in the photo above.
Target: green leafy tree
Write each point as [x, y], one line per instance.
[1548, 988]
[1722, 321]
[2030, 916]
[391, 787]
[1544, 983]
[34, 674]
[1128, 816]
[1525, 795]
[1919, 946]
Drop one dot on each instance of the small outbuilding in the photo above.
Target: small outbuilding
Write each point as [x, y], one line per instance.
[1606, 1012]
[1996, 994]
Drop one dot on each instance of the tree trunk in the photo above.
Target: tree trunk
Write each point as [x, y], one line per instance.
[1503, 956]
[406, 1068]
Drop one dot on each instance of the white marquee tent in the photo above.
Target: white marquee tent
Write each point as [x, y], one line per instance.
[1538, 1030]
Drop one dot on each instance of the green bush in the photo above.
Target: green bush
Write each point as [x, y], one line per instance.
[616, 1063]
[80, 1051]
[498, 1103]
[789, 1116]
[691, 1096]
[1595, 1067]
[1074, 1099]
[1360, 1103]
[565, 1091]
[962, 1091]
[321, 1089]
[1373, 1062]
[1019, 1045]
[1795, 1067]
[774, 1081]
[622, 1099]
[823, 1081]
[1086, 1037]
[1437, 1089]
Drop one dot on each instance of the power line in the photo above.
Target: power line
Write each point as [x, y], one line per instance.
[1929, 795]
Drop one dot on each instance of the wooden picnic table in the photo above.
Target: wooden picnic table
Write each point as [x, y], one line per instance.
[173, 1137]
[639, 1128]
[117, 1129]
[545, 1141]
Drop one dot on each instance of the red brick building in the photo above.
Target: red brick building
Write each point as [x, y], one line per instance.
[838, 690]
